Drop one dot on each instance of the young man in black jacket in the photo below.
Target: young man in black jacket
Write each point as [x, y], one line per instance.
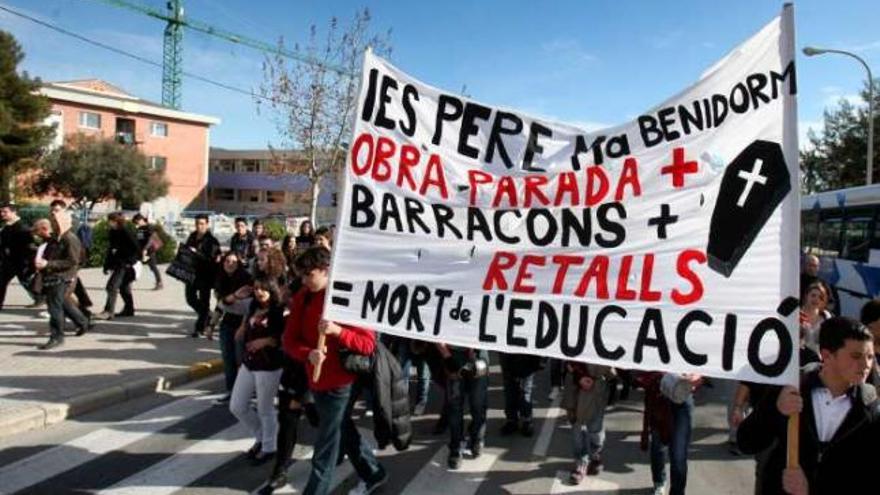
[243, 242]
[16, 252]
[198, 293]
[122, 254]
[839, 419]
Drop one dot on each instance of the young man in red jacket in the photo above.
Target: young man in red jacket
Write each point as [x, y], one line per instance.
[332, 391]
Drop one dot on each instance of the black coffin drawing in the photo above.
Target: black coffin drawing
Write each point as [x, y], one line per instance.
[754, 184]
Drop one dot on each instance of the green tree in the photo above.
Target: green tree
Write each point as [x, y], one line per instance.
[313, 104]
[836, 157]
[23, 137]
[93, 170]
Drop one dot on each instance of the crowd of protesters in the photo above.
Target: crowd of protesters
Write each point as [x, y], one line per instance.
[264, 302]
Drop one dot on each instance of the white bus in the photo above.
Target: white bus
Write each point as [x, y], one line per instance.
[842, 228]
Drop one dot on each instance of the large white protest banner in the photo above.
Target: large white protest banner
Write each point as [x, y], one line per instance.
[667, 243]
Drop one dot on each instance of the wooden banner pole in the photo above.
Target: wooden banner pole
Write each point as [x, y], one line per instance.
[793, 441]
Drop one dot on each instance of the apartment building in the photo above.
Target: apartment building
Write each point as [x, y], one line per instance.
[265, 182]
[174, 141]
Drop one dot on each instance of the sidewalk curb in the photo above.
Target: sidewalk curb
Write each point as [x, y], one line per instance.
[38, 415]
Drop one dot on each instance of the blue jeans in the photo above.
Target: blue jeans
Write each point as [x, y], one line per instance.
[230, 349]
[517, 395]
[407, 358]
[336, 429]
[677, 449]
[589, 438]
[475, 391]
[59, 304]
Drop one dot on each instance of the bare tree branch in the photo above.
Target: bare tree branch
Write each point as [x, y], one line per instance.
[311, 106]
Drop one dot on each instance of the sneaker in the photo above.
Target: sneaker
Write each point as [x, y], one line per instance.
[254, 450]
[125, 313]
[103, 315]
[476, 449]
[509, 428]
[51, 344]
[660, 489]
[733, 448]
[554, 394]
[223, 399]
[80, 331]
[364, 488]
[594, 467]
[527, 429]
[276, 482]
[578, 474]
[454, 462]
[261, 458]
[419, 409]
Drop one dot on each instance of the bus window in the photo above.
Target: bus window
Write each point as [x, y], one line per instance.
[829, 233]
[857, 234]
[875, 241]
[810, 231]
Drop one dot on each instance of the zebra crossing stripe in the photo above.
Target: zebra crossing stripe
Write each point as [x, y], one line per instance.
[56, 460]
[436, 479]
[298, 476]
[551, 414]
[187, 465]
[591, 485]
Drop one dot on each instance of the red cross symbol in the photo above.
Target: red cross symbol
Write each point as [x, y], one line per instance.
[678, 168]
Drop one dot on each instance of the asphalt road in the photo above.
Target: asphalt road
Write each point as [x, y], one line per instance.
[181, 442]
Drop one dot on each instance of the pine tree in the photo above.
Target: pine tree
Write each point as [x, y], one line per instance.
[836, 158]
[23, 136]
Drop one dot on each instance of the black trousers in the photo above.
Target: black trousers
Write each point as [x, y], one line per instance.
[119, 284]
[151, 262]
[85, 302]
[198, 296]
[6, 276]
[294, 386]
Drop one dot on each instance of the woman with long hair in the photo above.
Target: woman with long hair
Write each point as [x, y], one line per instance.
[306, 237]
[232, 289]
[813, 312]
[271, 264]
[260, 369]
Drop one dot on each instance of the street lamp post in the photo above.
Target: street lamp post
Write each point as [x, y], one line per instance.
[810, 51]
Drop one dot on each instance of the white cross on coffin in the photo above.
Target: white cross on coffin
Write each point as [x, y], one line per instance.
[751, 178]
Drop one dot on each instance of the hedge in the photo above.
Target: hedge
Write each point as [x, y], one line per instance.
[100, 239]
[275, 229]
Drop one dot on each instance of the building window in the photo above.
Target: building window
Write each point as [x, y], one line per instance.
[220, 194]
[300, 197]
[158, 129]
[250, 165]
[274, 196]
[224, 165]
[90, 120]
[249, 195]
[158, 163]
